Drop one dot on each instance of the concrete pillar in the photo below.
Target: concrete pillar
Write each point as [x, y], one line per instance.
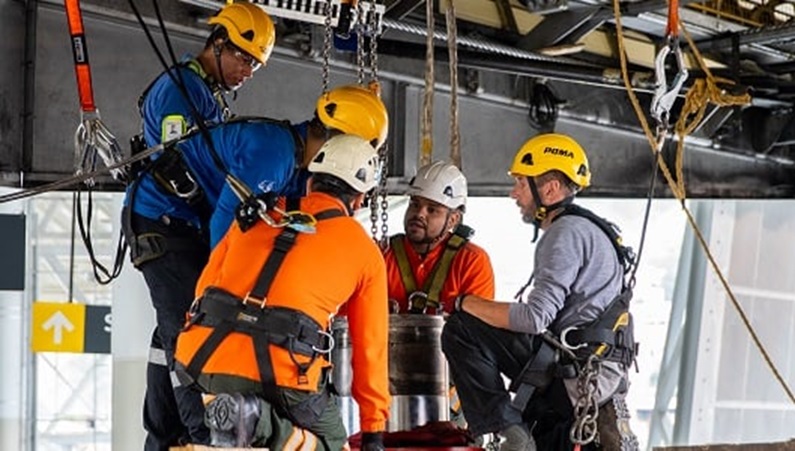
[133, 322]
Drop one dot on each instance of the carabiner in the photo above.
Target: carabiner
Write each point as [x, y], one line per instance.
[665, 96]
[244, 193]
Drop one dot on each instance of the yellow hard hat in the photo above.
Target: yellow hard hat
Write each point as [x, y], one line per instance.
[249, 28]
[355, 110]
[552, 151]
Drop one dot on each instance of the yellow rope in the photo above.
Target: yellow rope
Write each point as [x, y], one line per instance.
[455, 135]
[426, 123]
[702, 92]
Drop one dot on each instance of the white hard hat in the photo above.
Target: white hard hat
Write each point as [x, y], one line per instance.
[350, 159]
[440, 182]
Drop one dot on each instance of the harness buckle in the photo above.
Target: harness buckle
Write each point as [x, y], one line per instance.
[330, 343]
[254, 302]
[418, 302]
[194, 187]
[565, 342]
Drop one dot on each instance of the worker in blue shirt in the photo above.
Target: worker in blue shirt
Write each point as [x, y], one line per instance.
[192, 91]
[267, 156]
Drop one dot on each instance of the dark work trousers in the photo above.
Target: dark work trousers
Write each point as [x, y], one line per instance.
[478, 355]
[172, 415]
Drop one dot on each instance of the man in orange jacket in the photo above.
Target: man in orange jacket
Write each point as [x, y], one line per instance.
[258, 329]
[434, 261]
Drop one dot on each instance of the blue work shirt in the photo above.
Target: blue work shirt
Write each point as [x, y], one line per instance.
[263, 156]
[165, 100]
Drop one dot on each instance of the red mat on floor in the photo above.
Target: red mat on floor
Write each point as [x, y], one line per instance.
[435, 436]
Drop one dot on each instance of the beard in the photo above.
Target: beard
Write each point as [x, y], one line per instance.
[420, 234]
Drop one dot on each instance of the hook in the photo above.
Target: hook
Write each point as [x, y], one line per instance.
[664, 95]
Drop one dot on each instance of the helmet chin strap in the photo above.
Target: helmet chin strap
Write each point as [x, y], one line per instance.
[217, 50]
[543, 211]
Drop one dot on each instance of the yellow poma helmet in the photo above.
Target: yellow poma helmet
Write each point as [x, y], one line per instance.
[552, 151]
[355, 110]
[249, 27]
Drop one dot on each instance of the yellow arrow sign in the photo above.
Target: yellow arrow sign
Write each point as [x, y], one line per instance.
[58, 327]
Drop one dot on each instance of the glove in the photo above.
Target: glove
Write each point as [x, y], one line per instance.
[372, 441]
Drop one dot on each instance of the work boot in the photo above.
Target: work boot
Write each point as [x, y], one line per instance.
[232, 419]
[613, 426]
[517, 438]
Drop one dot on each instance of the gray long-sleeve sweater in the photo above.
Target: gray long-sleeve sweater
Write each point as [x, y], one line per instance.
[576, 275]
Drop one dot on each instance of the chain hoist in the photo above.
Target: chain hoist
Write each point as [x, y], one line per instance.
[586, 408]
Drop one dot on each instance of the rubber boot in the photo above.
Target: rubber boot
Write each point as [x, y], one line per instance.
[232, 419]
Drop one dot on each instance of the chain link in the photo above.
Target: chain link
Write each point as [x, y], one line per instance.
[586, 409]
[383, 156]
[373, 42]
[327, 36]
[374, 213]
[361, 28]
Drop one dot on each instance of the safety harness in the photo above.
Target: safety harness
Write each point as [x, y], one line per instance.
[610, 337]
[174, 177]
[428, 297]
[284, 327]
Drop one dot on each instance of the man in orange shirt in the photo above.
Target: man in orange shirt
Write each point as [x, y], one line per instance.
[257, 334]
[434, 261]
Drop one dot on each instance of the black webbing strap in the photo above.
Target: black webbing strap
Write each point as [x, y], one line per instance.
[282, 245]
[207, 348]
[287, 328]
[265, 365]
[625, 257]
[537, 374]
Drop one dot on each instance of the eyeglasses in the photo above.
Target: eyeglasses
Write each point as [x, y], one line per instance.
[244, 57]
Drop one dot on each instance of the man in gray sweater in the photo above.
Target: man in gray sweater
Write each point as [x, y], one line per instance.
[573, 325]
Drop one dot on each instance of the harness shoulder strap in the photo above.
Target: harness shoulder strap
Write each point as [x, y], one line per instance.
[396, 243]
[434, 283]
[282, 245]
[624, 253]
[611, 335]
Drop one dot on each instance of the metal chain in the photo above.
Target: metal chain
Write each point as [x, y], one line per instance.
[327, 36]
[373, 42]
[361, 28]
[379, 199]
[586, 409]
[383, 156]
[374, 214]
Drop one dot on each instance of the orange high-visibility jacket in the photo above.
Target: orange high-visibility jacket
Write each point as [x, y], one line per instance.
[339, 264]
[470, 273]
